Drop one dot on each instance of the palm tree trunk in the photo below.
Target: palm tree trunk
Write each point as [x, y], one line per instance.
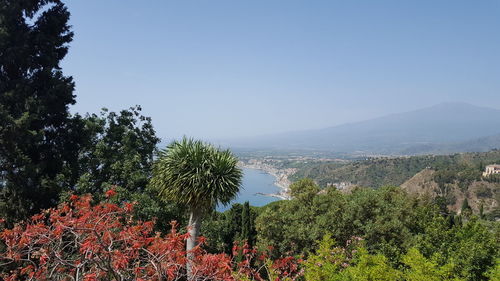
[194, 231]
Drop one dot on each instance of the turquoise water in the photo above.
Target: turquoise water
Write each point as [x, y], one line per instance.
[254, 181]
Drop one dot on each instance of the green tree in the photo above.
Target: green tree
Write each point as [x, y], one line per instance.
[304, 190]
[119, 151]
[481, 210]
[385, 218]
[199, 176]
[367, 267]
[327, 261]
[297, 225]
[494, 272]
[465, 209]
[222, 229]
[39, 139]
[471, 247]
[234, 225]
[247, 225]
[422, 269]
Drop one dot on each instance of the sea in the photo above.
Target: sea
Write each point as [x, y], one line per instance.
[254, 181]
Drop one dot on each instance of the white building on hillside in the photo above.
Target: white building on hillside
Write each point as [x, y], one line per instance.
[491, 170]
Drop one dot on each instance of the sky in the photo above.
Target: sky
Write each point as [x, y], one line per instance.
[222, 69]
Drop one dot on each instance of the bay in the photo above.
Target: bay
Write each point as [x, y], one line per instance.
[254, 181]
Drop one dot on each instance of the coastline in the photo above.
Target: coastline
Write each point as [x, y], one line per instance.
[280, 175]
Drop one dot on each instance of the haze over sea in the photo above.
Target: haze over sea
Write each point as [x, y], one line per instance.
[254, 181]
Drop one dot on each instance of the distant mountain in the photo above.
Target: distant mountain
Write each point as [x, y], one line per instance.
[446, 127]
[483, 144]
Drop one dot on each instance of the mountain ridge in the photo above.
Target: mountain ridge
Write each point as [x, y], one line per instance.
[444, 124]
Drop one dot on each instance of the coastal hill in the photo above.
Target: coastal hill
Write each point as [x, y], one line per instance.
[440, 129]
[480, 192]
[452, 177]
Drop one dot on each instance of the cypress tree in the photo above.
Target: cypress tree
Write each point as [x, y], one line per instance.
[466, 210]
[38, 137]
[246, 222]
[481, 210]
[465, 205]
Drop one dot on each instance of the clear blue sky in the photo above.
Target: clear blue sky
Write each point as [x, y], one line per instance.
[216, 69]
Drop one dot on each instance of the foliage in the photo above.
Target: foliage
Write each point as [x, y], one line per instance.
[462, 174]
[247, 225]
[196, 174]
[328, 260]
[494, 272]
[353, 262]
[383, 171]
[422, 269]
[469, 248]
[39, 139]
[456, 176]
[295, 226]
[234, 225]
[398, 231]
[373, 172]
[199, 176]
[45, 153]
[148, 207]
[119, 151]
[304, 190]
[385, 218]
[80, 241]
[368, 267]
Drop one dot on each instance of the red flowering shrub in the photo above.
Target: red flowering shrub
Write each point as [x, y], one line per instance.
[78, 241]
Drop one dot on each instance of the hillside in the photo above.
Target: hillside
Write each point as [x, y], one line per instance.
[370, 173]
[477, 192]
[453, 177]
[444, 128]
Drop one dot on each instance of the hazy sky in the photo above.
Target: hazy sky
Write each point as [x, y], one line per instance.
[215, 69]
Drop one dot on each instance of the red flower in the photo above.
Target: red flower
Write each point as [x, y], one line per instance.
[110, 193]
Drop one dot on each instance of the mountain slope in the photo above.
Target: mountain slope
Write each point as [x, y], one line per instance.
[482, 144]
[428, 129]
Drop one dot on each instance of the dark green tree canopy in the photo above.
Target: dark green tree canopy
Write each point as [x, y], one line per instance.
[39, 140]
[304, 189]
[119, 151]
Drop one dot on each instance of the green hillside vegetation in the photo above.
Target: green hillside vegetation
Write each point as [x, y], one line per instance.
[455, 186]
[370, 173]
[377, 172]
[450, 177]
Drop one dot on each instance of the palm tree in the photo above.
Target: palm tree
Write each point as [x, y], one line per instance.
[199, 176]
